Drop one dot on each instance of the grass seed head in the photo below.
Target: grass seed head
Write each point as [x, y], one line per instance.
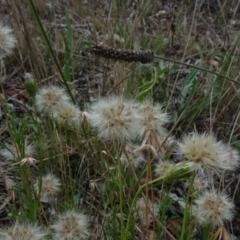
[143, 56]
[7, 41]
[115, 119]
[71, 226]
[50, 99]
[213, 208]
[50, 187]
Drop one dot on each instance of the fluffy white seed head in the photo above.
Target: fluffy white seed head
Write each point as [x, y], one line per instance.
[146, 211]
[22, 231]
[115, 119]
[71, 226]
[162, 168]
[204, 151]
[201, 183]
[12, 152]
[213, 208]
[134, 157]
[154, 118]
[7, 41]
[232, 158]
[50, 187]
[68, 113]
[49, 99]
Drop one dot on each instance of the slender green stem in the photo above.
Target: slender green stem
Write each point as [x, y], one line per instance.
[206, 232]
[140, 189]
[198, 68]
[120, 194]
[186, 210]
[51, 49]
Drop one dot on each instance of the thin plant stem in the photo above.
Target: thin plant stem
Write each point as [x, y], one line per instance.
[120, 187]
[51, 49]
[198, 68]
[186, 209]
[139, 191]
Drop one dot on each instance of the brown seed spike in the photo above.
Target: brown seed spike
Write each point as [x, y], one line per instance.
[143, 56]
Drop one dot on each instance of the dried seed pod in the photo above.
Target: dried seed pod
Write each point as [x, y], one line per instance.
[143, 56]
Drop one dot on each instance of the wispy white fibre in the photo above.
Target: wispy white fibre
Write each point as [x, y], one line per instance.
[7, 41]
[70, 226]
[213, 208]
[22, 231]
[116, 119]
[50, 99]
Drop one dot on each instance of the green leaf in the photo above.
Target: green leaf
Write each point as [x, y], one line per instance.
[188, 88]
[144, 90]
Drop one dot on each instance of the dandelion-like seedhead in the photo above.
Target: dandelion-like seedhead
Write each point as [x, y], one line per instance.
[22, 231]
[202, 183]
[71, 226]
[162, 167]
[154, 118]
[231, 158]
[204, 151]
[146, 210]
[50, 187]
[67, 113]
[50, 99]
[134, 157]
[115, 119]
[12, 152]
[213, 208]
[7, 41]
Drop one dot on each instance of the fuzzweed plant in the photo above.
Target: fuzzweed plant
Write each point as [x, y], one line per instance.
[108, 140]
[22, 231]
[162, 167]
[7, 40]
[116, 119]
[154, 118]
[146, 211]
[71, 226]
[47, 187]
[207, 153]
[13, 152]
[67, 114]
[50, 98]
[213, 208]
[152, 129]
